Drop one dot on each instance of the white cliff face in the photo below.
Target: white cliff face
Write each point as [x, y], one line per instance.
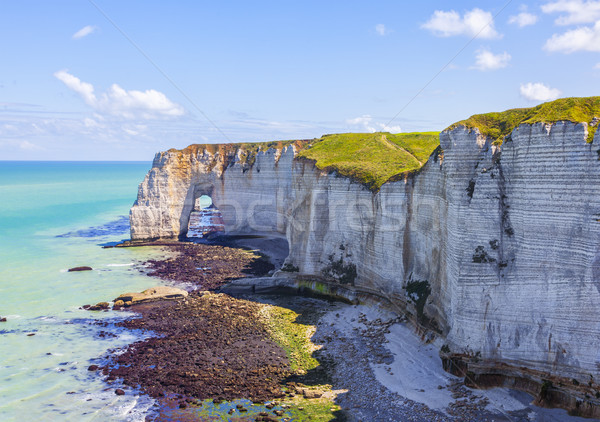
[506, 240]
[251, 198]
[523, 250]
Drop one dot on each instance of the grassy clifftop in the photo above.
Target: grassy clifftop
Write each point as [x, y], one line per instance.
[369, 158]
[372, 158]
[498, 125]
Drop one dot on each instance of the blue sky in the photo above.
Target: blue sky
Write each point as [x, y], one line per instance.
[74, 86]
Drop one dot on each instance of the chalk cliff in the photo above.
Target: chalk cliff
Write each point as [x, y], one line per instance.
[494, 247]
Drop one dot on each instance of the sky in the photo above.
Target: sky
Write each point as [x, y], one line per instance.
[122, 80]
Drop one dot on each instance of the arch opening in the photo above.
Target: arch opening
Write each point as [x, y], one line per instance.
[205, 219]
[204, 201]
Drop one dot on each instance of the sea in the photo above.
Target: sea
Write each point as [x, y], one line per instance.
[55, 216]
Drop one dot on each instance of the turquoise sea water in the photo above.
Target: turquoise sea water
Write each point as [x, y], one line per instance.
[54, 216]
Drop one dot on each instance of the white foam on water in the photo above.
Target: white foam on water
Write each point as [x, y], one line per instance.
[120, 265]
[51, 319]
[105, 405]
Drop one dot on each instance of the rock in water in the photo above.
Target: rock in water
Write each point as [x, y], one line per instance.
[152, 294]
[80, 269]
[97, 307]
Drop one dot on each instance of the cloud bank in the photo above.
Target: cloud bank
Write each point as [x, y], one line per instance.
[365, 122]
[118, 102]
[573, 11]
[523, 19]
[486, 60]
[83, 32]
[475, 23]
[381, 29]
[580, 39]
[539, 92]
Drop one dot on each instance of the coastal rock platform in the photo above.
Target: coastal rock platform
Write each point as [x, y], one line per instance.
[152, 294]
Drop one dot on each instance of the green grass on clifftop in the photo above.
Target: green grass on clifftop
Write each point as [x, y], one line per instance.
[499, 125]
[372, 158]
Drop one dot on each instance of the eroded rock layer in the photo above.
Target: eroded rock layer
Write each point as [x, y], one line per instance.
[495, 247]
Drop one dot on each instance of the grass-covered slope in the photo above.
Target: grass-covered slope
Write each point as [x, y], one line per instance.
[498, 125]
[372, 158]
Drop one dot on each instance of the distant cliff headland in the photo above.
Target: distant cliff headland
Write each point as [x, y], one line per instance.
[487, 234]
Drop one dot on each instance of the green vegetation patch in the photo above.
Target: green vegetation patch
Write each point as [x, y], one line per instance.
[499, 125]
[321, 410]
[293, 337]
[372, 158]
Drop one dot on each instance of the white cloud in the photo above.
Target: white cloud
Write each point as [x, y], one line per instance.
[391, 129]
[28, 146]
[573, 11]
[149, 104]
[474, 23]
[90, 123]
[381, 29]
[597, 66]
[486, 60]
[86, 90]
[365, 119]
[365, 122]
[580, 39]
[523, 19]
[83, 32]
[539, 92]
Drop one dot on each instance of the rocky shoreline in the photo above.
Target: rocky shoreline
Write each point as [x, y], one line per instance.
[206, 346]
[276, 357]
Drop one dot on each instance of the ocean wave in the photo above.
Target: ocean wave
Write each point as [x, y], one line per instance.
[120, 265]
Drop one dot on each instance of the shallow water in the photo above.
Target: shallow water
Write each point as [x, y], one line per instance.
[54, 216]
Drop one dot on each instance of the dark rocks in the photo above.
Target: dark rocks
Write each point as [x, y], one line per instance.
[206, 345]
[210, 346]
[30, 334]
[265, 417]
[119, 392]
[93, 368]
[80, 269]
[97, 307]
[209, 266]
[2, 319]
